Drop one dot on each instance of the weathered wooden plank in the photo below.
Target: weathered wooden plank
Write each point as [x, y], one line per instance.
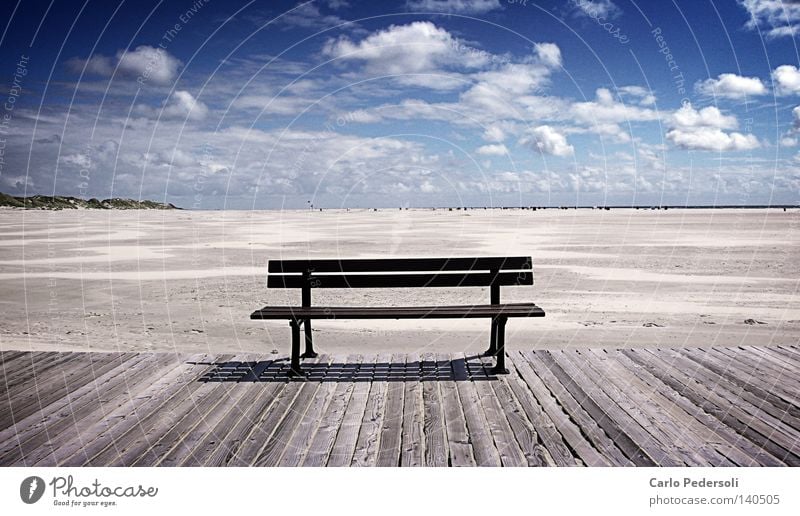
[767, 357]
[756, 413]
[50, 387]
[35, 366]
[542, 383]
[230, 395]
[791, 353]
[26, 410]
[755, 374]
[80, 414]
[330, 422]
[278, 442]
[26, 391]
[346, 436]
[36, 423]
[483, 447]
[412, 446]
[368, 442]
[263, 430]
[712, 431]
[708, 400]
[499, 427]
[749, 378]
[221, 453]
[9, 357]
[392, 428]
[558, 452]
[303, 437]
[458, 442]
[625, 431]
[102, 432]
[123, 445]
[433, 425]
[523, 431]
[673, 434]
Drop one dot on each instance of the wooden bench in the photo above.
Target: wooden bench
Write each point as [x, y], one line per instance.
[399, 273]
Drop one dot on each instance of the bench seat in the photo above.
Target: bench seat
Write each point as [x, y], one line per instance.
[398, 312]
[306, 275]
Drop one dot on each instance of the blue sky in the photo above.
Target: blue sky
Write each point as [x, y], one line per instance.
[338, 103]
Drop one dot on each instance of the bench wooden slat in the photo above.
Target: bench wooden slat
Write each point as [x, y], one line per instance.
[401, 264]
[467, 279]
[413, 312]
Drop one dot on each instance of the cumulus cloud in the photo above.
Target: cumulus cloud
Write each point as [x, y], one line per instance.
[411, 52]
[547, 54]
[787, 80]
[597, 8]
[453, 6]
[494, 133]
[144, 63]
[183, 105]
[689, 118]
[180, 105]
[705, 129]
[777, 17]
[493, 150]
[607, 110]
[644, 96]
[548, 140]
[711, 139]
[732, 86]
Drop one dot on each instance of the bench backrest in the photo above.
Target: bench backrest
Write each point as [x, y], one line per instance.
[401, 272]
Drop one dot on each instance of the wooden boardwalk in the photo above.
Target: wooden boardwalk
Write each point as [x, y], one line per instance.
[670, 407]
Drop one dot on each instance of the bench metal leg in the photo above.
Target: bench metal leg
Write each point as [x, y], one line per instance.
[309, 353]
[492, 351]
[295, 369]
[500, 329]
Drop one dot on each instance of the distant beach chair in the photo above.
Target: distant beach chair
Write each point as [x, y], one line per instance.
[492, 272]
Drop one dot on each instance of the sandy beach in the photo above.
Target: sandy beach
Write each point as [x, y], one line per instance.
[186, 281]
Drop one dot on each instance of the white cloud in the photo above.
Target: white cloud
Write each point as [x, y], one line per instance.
[606, 110]
[454, 6]
[711, 139]
[644, 96]
[269, 104]
[732, 86]
[796, 118]
[309, 16]
[420, 53]
[689, 118]
[183, 105]
[778, 17]
[145, 63]
[605, 9]
[704, 129]
[493, 150]
[548, 54]
[494, 133]
[787, 80]
[548, 140]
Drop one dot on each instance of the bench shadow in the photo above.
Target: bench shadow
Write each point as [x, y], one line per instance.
[470, 368]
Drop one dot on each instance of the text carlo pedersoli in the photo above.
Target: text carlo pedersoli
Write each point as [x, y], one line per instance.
[691, 482]
[63, 486]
